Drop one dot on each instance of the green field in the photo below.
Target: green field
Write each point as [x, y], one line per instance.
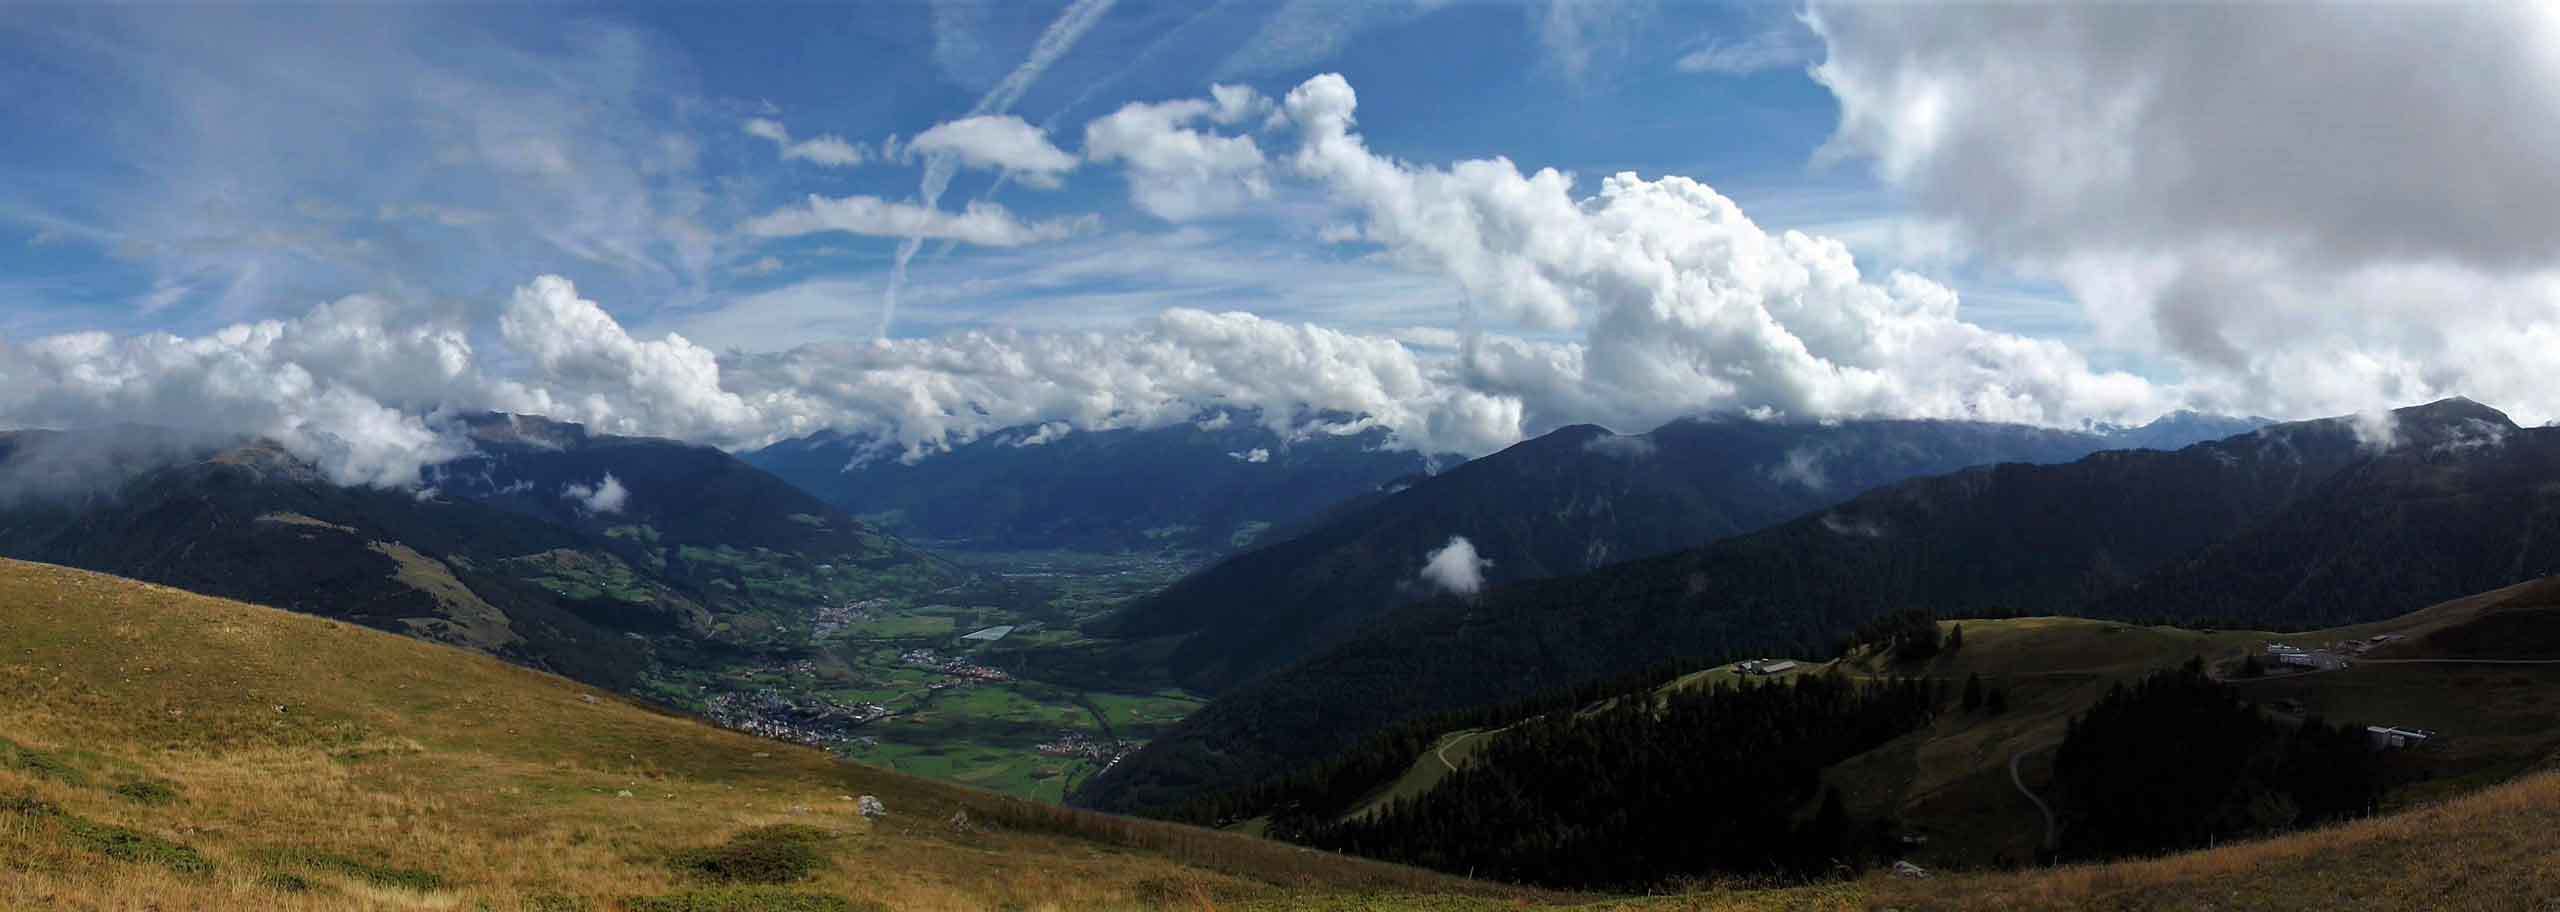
[998, 723]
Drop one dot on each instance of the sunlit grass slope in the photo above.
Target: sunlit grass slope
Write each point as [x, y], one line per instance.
[169, 751]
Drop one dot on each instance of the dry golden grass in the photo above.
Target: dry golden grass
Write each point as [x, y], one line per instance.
[2495, 849]
[288, 738]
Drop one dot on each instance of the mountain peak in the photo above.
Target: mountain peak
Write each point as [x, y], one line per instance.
[2451, 411]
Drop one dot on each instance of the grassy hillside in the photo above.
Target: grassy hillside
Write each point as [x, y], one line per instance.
[146, 765]
[168, 750]
[1951, 781]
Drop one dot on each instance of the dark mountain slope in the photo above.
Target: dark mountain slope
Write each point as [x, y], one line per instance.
[700, 560]
[249, 522]
[1564, 503]
[2003, 539]
[1194, 486]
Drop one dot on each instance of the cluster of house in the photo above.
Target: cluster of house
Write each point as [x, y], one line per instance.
[814, 721]
[1085, 746]
[2296, 656]
[830, 620]
[1766, 666]
[953, 666]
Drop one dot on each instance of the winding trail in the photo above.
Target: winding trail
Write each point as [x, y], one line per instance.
[1442, 751]
[2052, 827]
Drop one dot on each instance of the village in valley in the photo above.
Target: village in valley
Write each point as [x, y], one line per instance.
[959, 688]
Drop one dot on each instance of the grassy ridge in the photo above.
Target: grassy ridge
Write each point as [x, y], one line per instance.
[319, 765]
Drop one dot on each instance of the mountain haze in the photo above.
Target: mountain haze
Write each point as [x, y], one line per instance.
[1212, 485]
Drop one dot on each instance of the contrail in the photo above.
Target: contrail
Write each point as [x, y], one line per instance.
[1055, 41]
[1094, 88]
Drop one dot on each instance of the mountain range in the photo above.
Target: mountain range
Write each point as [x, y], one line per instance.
[2303, 523]
[1568, 502]
[1209, 486]
[600, 557]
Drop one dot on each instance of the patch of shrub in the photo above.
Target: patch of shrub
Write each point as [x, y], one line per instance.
[554, 902]
[750, 899]
[27, 806]
[764, 855]
[135, 846]
[147, 791]
[379, 875]
[38, 764]
[284, 882]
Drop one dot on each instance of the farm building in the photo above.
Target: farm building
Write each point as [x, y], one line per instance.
[1766, 666]
[2299, 657]
[2384, 737]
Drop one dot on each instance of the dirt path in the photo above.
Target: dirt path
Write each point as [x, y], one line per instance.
[1442, 751]
[2052, 827]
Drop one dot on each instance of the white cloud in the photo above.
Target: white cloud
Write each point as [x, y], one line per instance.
[591, 371]
[318, 385]
[1685, 304]
[1256, 455]
[1456, 567]
[1181, 365]
[2376, 429]
[603, 497]
[1047, 433]
[830, 150]
[983, 224]
[1177, 173]
[1577, 33]
[1000, 142]
[2368, 222]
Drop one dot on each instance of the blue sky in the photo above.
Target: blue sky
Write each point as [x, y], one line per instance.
[174, 164]
[335, 224]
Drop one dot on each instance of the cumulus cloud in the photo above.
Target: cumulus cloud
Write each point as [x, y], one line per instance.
[1182, 365]
[982, 223]
[592, 371]
[1686, 305]
[605, 496]
[2369, 223]
[1000, 142]
[317, 385]
[830, 150]
[1256, 455]
[1456, 567]
[1176, 172]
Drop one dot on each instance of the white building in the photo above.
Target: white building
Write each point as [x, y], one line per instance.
[2384, 737]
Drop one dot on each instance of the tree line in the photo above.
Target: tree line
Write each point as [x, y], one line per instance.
[1712, 780]
[2179, 761]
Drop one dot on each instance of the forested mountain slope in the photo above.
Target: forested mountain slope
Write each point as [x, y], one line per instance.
[1998, 540]
[1564, 503]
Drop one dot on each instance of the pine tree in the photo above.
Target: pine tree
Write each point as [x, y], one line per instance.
[1831, 824]
[1997, 702]
[1972, 692]
[1955, 638]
